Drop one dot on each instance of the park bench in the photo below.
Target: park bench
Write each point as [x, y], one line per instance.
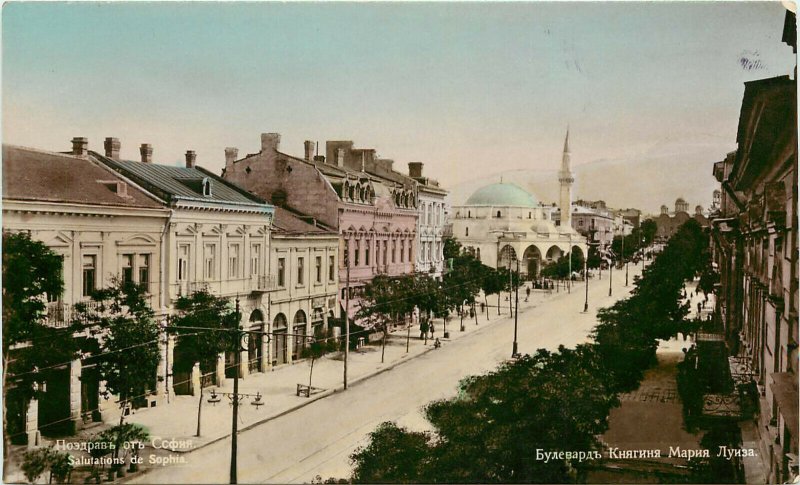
[307, 391]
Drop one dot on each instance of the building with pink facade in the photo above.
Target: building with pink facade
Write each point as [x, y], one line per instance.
[372, 207]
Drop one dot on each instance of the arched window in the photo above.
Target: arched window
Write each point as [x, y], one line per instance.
[300, 331]
[498, 214]
[469, 214]
[466, 232]
[529, 215]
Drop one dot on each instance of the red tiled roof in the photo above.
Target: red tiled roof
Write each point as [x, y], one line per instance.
[36, 175]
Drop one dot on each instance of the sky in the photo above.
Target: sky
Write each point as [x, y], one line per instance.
[469, 89]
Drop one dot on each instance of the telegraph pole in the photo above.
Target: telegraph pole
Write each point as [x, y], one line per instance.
[623, 252]
[510, 287]
[235, 421]
[611, 264]
[346, 313]
[586, 277]
[514, 351]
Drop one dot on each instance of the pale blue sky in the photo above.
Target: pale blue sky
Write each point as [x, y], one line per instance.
[466, 88]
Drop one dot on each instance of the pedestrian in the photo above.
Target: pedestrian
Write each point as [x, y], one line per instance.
[437, 344]
[699, 306]
[527, 293]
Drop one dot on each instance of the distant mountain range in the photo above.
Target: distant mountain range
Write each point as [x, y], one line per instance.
[670, 169]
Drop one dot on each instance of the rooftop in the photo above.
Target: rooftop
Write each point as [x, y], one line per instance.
[38, 175]
[502, 195]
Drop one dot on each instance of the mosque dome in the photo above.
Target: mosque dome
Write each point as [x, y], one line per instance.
[502, 195]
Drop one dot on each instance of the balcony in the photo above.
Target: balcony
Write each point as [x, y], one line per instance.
[262, 283]
[61, 315]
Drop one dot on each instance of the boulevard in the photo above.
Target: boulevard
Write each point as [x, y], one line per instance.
[318, 439]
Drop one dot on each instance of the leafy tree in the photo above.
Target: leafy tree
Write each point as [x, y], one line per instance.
[194, 314]
[126, 334]
[561, 268]
[394, 455]
[31, 348]
[648, 229]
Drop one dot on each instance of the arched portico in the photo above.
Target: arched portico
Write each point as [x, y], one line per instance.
[554, 253]
[507, 255]
[531, 261]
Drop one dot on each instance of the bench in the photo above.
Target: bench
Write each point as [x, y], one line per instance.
[307, 390]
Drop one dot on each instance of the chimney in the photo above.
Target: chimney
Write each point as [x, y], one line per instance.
[309, 149]
[415, 170]
[112, 146]
[191, 158]
[231, 154]
[340, 157]
[80, 146]
[147, 152]
[319, 158]
[270, 141]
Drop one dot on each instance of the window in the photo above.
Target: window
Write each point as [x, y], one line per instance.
[281, 272]
[358, 252]
[127, 268]
[255, 259]
[300, 271]
[410, 252]
[430, 215]
[144, 269]
[52, 297]
[318, 267]
[402, 251]
[347, 252]
[498, 214]
[377, 252]
[385, 251]
[394, 250]
[331, 268]
[183, 262]
[580, 222]
[89, 274]
[366, 253]
[233, 261]
[423, 213]
[466, 231]
[469, 214]
[529, 215]
[210, 257]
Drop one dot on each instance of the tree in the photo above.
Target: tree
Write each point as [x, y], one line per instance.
[394, 455]
[203, 324]
[126, 336]
[31, 348]
[561, 267]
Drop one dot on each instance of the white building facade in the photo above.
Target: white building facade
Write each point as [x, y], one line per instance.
[430, 223]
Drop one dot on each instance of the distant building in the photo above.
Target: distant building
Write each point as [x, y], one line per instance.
[668, 223]
[372, 207]
[502, 222]
[430, 223]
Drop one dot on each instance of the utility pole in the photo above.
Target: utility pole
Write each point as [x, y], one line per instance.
[586, 277]
[514, 351]
[346, 312]
[510, 287]
[235, 421]
[623, 252]
[569, 277]
[611, 264]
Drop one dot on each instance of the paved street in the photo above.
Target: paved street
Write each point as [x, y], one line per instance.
[317, 439]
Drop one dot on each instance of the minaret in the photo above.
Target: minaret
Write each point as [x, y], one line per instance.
[566, 178]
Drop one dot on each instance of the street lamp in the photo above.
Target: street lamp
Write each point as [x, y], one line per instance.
[611, 264]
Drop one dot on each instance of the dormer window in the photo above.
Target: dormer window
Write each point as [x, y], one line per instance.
[206, 187]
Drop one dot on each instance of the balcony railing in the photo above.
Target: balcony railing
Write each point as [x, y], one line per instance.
[262, 283]
[61, 315]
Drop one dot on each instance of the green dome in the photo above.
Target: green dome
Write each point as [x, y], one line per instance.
[502, 195]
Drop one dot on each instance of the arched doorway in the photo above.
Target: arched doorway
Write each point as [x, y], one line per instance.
[507, 255]
[532, 261]
[279, 330]
[299, 330]
[254, 342]
[554, 253]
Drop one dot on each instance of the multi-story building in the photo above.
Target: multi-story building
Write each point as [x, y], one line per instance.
[104, 227]
[502, 223]
[372, 207]
[667, 224]
[756, 252]
[304, 257]
[594, 221]
[430, 223]
[216, 238]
